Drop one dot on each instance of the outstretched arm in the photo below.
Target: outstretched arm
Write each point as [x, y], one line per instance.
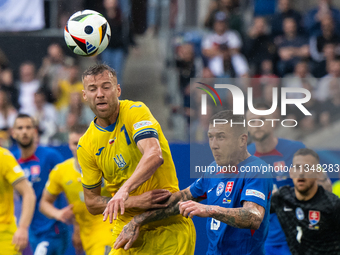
[130, 232]
[249, 216]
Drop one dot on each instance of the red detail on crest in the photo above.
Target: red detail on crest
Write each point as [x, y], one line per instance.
[252, 231]
[229, 186]
[314, 217]
[35, 170]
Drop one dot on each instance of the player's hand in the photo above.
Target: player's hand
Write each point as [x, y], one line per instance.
[151, 199]
[65, 215]
[76, 241]
[128, 236]
[20, 238]
[116, 203]
[191, 209]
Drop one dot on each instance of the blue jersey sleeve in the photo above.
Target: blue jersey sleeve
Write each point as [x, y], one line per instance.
[199, 187]
[257, 190]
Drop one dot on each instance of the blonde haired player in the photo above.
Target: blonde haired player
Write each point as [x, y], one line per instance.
[125, 145]
[12, 239]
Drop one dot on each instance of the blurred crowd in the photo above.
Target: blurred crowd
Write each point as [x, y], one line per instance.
[283, 48]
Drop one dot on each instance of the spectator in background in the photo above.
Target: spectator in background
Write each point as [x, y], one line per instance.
[328, 35]
[211, 46]
[292, 48]
[298, 78]
[259, 44]
[230, 8]
[313, 18]
[331, 107]
[320, 68]
[306, 123]
[63, 89]
[121, 38]
[187, 64]
[7, 84]
[27, 86]
[199, 127]
[333, 69]
[234, 65]
[52, 68]
[45, 116]
[76, 112]
[266, 76]
[285, 10]
[7, 111]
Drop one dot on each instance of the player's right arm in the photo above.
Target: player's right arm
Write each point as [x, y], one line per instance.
[15, 175]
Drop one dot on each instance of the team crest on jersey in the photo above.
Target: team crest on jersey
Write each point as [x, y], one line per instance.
[229, 188]
[220, 188]
[279, 166]
[120, 162]
[35, 172]
[314, 217]
[299, 213]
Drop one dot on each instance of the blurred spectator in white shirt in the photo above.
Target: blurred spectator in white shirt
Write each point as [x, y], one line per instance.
[295, 80]
[323, 91]
[221, 36]
[27, 86]
[45, 115]
[7, 111]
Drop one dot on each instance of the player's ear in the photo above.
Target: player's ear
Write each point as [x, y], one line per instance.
[84, 95]
[243, 138]
[119, 90]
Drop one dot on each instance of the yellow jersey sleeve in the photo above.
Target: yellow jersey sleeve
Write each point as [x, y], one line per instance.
[53, 185]
[141, 122]
[91, 176]
[12, 170]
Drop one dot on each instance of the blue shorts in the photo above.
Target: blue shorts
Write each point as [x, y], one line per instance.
[56, 245]
[277, 249]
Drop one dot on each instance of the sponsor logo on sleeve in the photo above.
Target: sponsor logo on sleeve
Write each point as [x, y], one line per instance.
[141, 124]
[255, 193]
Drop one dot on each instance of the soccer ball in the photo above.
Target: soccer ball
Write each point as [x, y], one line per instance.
[87, 33]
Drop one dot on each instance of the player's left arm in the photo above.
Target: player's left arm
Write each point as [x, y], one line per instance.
[324, 181]
[249, 216]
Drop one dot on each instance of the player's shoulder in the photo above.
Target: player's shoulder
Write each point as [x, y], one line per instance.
[291, 144]
[4, 152]
[254, 161]
[85, 138]
[332, 198]
[126, 105]
[285, 192]
[47, 151]
[64, 166]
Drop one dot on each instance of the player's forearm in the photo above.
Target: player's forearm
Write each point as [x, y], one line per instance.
[144, 170]
[97, 205]
[236, 217]
[172, 209]
[48, 209]
[28, 206]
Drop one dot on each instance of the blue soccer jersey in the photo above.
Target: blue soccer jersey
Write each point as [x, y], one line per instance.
[231, 193]
[282, 158]
[37, 168]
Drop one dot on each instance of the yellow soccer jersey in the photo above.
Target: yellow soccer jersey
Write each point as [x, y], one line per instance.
[112, 152]
[10, 174]
[65, 178]
[66, 88]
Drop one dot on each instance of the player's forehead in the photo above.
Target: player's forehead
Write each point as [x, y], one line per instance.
[23, 122]
[100, 78]
[304, 159]
[219, 129]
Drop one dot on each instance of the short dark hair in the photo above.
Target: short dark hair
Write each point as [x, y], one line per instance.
[24, 116]
[78, 129]
[305, 152]
[228, 115]
[98, 69]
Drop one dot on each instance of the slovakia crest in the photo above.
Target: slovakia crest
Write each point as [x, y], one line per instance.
[220, 188]
[314, 217]
[229, 188]
[279, 166]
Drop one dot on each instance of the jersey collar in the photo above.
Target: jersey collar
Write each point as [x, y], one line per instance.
[31, 158]
[273, 152]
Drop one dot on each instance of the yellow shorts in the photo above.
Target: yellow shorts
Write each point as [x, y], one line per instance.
[97, 240]
[173, 236]
[6, 237]
[98, 249]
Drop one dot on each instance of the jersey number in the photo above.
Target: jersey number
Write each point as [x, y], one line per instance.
[215, 224]
[299, 233]
[42, 248]
[128, 141]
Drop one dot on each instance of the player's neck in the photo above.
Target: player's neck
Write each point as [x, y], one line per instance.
[308, 195]
[29, 151]
[267, 145]
[105, 122]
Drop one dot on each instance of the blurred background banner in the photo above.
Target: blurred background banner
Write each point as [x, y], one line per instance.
[21, 15]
